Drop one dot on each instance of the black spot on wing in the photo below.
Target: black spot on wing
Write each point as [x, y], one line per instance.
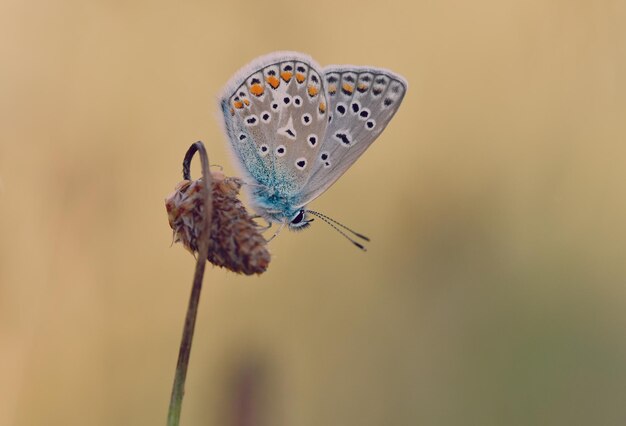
[343, 137]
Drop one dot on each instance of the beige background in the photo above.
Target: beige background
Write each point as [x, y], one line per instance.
[493, 292]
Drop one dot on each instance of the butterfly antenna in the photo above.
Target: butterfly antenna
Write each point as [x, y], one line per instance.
[323, 216]
[330, 222]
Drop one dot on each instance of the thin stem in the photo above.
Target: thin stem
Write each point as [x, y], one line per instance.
[178, 389]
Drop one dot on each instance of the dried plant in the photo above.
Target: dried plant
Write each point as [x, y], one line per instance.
[215, 226]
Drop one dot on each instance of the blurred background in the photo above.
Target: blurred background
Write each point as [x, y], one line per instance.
[494, 288]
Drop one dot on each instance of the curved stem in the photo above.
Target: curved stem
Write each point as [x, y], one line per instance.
[178, 389]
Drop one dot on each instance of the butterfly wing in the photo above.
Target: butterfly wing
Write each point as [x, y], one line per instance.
[275, 116]
[362, 101]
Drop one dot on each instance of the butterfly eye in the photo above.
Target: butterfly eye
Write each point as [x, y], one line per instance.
[298, 218]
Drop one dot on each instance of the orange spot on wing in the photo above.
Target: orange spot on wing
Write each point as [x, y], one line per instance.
[238, 104]
[322, 107]
[299, 77]
[332, 89]
[312, 91]
[347, 88]
[247, 102]
[232, 111]
[286, 75]
[257, 89]
[273, 81]
[362, 86]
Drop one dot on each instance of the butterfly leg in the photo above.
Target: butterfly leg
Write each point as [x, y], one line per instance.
[282, 225]
[262, 228]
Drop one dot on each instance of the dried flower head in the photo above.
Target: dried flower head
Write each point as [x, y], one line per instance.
[235, 241]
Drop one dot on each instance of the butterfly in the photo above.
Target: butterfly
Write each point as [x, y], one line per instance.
[295, 128]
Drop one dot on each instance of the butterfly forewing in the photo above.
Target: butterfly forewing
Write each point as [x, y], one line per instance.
[361, 102]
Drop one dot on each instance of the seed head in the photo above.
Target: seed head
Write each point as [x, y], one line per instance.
[235, 241]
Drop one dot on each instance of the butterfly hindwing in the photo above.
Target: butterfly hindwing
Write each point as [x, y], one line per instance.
[275, 117]
[362, 101]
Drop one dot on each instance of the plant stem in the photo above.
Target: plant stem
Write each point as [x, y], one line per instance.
[178, 389]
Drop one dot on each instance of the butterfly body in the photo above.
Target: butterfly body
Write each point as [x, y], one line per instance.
[295, 128]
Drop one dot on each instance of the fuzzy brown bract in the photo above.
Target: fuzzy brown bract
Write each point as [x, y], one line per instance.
[235, 241]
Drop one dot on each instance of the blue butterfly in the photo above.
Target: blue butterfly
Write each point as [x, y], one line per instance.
[295, 128]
